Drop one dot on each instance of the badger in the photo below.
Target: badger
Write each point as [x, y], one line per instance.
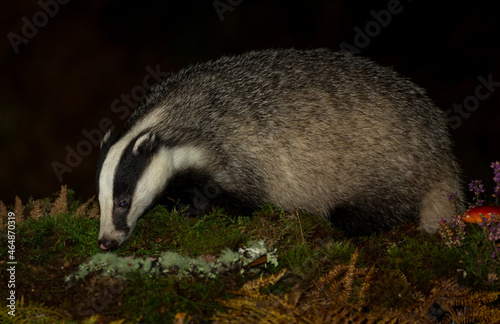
[313, 131]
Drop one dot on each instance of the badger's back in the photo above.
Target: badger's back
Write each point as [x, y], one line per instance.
[316, 131]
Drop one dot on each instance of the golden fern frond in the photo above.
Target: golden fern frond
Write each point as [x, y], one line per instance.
[36, 211]
[479, 297]
[482, 314]
[263, 282]
[121, 321]
[348, 279]
[462, 305]
[91, 320]
[443, 287]
[254, 294]
[403, 277]
[325, 301]
[3, 216]
[365, 286]
[94, 210]
[255, 307]
[327, 279]
[248, 311]
[313, 301]
[474, 306]
[19, 210]
[419, 296]
[32, 313]
[285, 303]
[388, 316]
[240, 308]
[61, 204]
[82, 209]
[293, 297]
[438, 291]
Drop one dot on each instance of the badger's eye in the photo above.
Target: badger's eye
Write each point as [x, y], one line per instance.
[123, 204]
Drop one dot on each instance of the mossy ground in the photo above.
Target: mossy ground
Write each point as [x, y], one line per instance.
[406, 262]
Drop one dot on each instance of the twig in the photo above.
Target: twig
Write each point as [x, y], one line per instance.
[300, 225]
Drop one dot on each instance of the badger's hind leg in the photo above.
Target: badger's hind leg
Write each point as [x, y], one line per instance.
[436, 205]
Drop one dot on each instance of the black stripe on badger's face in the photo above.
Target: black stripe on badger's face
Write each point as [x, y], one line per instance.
[133, 162]
[133, 173]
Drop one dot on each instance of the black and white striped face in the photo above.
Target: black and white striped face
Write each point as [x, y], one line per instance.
[132, 173]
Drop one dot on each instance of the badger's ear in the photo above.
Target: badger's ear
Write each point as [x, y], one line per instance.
[106, 139]
[146, 143]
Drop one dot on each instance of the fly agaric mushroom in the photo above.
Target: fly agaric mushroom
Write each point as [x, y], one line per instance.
[473, 214]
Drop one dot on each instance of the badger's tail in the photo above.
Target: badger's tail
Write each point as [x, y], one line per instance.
[436, 204]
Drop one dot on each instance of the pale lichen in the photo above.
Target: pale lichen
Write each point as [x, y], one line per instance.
[110, 264]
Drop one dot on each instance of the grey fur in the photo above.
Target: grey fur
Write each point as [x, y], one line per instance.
[314, 131]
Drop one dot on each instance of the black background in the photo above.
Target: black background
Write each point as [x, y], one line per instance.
[78, 62]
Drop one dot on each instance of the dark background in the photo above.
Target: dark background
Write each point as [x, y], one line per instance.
[78, 62]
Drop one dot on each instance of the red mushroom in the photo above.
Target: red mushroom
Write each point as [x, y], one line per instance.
[473, 214]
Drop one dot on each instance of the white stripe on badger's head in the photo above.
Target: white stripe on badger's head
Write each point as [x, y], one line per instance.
[106, 138]
[133, 174]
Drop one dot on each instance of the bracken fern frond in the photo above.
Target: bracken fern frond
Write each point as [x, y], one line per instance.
[61, 204]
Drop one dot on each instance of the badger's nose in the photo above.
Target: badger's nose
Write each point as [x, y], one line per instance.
[106, 245]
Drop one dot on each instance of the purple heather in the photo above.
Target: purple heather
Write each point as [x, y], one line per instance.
[478, 188]
[496, 171]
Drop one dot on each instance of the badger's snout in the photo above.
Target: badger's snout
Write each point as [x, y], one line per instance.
[106, 244]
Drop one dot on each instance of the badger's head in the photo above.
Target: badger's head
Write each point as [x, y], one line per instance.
[132, 172]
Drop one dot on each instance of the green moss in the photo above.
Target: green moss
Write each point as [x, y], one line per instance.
[157, 300]
[50, 239]
[162, 230]
[176, 264]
